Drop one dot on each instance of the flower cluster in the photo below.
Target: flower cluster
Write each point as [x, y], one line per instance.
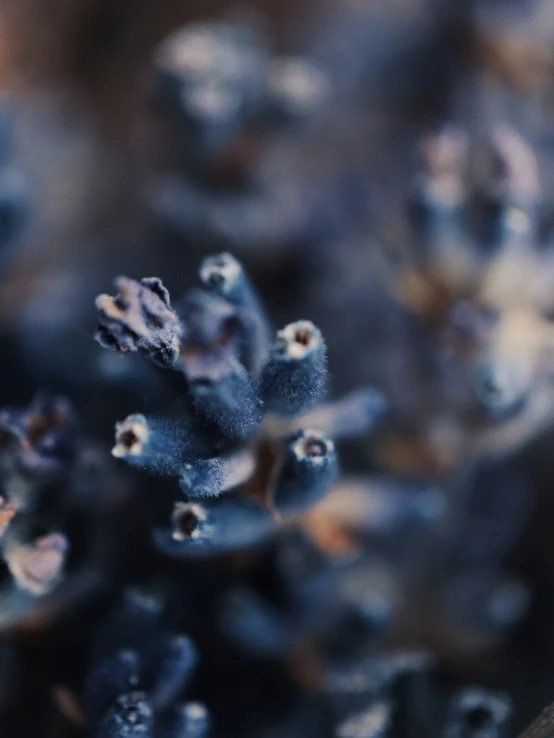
[137, 670]
[256, 445]
[53, 483]
[476, 215]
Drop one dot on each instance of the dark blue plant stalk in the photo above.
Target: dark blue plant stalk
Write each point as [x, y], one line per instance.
[355, 414]
[230, 402]
[294, 378]
[210, 477]
[225, 276]
[155, 444]
[309, 469]
[218, 525]
[213, 334]
[171, 667]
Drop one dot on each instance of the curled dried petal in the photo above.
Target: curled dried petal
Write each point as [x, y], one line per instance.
[140, 318]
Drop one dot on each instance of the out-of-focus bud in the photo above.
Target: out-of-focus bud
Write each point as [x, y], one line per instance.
[37, 567]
